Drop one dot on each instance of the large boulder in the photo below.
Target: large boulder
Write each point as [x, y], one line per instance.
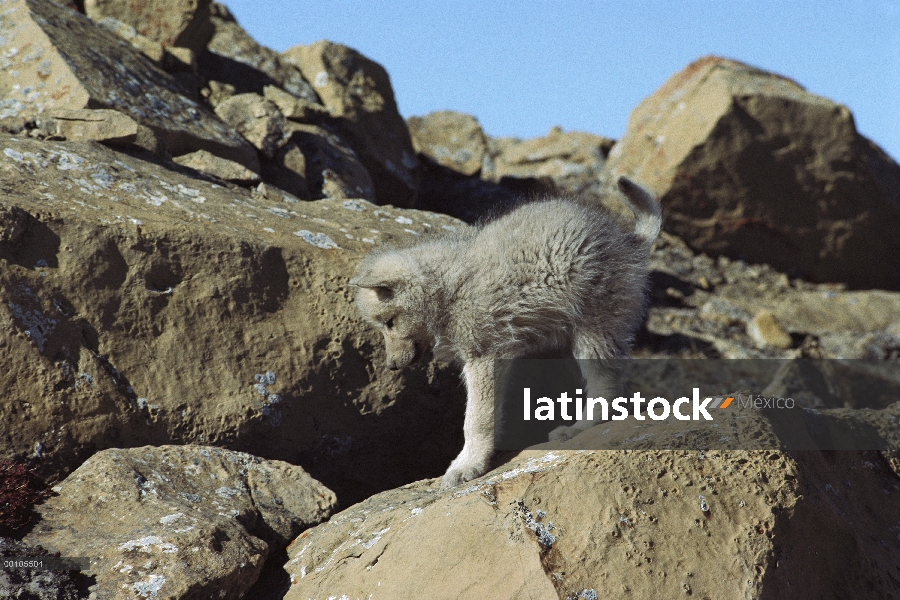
[357, 92]
[749, 164]
[184, 23]
[587, 524]
[56, 58]
[145, 306]
[178, 521]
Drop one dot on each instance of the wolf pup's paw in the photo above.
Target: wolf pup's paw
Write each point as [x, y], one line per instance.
[457, 475]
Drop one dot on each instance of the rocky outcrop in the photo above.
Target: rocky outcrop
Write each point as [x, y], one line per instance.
[567, 523]
[357, 92]
[170, 300]
[62, 60]
[178, 521]
[234, 57]
[469, 174]
[750, 165]
[150, 306]
[572, 160]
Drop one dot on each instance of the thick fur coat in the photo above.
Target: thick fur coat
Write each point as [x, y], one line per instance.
[551, 275]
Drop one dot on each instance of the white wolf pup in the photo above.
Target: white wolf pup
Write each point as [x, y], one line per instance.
[551, 275]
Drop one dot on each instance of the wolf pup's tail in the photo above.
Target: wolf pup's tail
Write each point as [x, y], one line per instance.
[647, 211]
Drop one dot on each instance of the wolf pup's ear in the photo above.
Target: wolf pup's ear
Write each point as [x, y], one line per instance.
[383, 290]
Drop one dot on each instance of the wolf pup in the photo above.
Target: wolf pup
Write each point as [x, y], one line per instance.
[551, 275]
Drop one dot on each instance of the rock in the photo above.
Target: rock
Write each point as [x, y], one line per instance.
[294, 108]
[33, 583]
[573, 160]
[468, 174]
[103, 125]
[704, 307]
[13, 223]
[150, 48]
[454, 140]
[257, 119]
[72, 63]
[227, 170]
[289, 172]
[184, 23]
[233, 57]
[749, 164]
[179, 521]
[644, 523]
[334, 168]
[765, 331]
[143, 306]
[357, 92]
[217, 92]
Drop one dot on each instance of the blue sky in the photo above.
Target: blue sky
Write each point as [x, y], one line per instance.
[523, 67]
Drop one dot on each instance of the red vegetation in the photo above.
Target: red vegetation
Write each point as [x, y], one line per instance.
[20, 490]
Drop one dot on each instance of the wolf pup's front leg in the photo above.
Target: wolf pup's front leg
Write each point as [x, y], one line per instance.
[478, 427]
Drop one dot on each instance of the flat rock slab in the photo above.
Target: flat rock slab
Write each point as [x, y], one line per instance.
[56, 58]
[140, 304]
[102, 125]
[178, 521]
[226, 170]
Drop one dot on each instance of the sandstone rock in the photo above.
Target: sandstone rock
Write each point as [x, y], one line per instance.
[150, 48]
[294, 108]
[142, 306]
[454, 140]
[572, 160]
[234, 57]
[357, 92]
[228, 170]
[183, 23]
[179, 521]
[765, 331]
[256, 118]
[749, 164]
[109, 126]
[588, 524]
[334, 168]
[62, 60]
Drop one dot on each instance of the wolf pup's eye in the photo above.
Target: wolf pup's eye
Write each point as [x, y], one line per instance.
[389, 324]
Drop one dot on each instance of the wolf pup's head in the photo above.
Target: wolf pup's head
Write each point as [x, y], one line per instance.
[391, 297]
